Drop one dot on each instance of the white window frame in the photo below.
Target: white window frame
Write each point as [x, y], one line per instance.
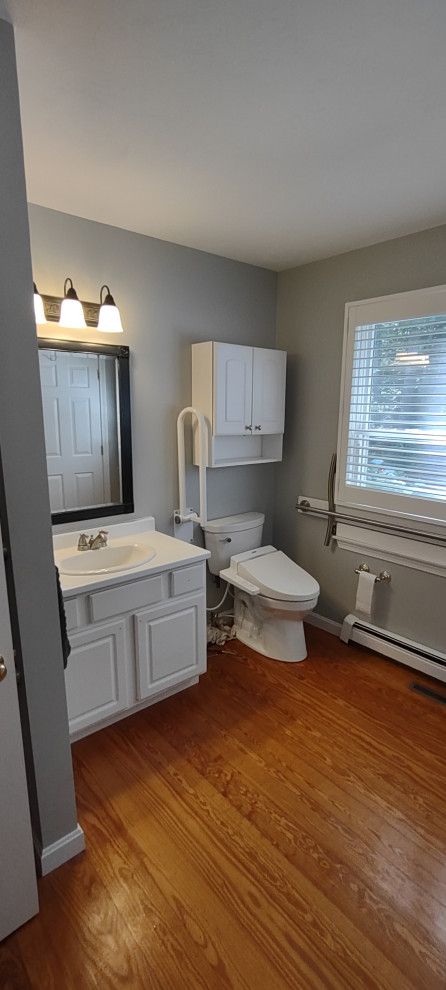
[421, 514]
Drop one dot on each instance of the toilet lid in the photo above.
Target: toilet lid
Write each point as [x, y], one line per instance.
[279, 577]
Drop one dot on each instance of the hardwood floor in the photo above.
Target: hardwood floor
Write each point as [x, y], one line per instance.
[276, 827]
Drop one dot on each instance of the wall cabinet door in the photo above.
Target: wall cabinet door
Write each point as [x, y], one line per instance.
[232, 389]
[170, 645]
[95, 678]
[268, 390]
[249, 390]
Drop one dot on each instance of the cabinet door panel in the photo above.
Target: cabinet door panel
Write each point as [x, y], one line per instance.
[268, 399]
[95, 678]
[232, 389]
[170, 645]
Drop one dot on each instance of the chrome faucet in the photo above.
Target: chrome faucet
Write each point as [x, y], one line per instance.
[94, 542]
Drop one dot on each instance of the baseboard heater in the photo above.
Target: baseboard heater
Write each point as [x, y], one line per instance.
[395, 647]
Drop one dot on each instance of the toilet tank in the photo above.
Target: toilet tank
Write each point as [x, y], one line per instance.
[230, 535]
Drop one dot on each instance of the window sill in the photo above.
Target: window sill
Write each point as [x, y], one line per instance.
[416, 554]
[410, 553]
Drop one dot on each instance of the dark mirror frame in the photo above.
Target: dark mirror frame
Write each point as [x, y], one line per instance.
[122, 354]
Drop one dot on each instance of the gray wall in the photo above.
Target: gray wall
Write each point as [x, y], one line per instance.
[310, 324]
[169, 296]
[24, 502]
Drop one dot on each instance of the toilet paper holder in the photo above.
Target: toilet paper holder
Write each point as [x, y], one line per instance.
[382, 576]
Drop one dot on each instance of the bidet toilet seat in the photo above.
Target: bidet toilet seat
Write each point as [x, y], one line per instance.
[276, 576]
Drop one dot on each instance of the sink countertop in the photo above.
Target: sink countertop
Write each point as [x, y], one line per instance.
[170, 552]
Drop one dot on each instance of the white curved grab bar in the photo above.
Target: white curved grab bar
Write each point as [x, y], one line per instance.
[184, 514]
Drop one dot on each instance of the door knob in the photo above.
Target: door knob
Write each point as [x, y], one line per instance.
[3, 669]
[258, 427]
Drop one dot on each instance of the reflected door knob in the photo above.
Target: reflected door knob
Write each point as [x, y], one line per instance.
[3, 669]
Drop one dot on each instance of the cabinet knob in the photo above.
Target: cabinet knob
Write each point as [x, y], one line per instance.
[3, 669]
[249, 427]
[258, 427]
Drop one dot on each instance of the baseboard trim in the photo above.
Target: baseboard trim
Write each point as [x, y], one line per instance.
[50, 857]
[394, 648]
[329, 625]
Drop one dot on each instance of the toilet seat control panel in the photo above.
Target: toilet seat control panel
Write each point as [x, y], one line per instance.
[230, 574]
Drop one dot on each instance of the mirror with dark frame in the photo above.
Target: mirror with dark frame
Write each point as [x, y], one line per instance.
[86, 410]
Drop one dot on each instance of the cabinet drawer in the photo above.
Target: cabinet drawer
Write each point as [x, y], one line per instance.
[72, 613]
[187, 579]
[126, 598]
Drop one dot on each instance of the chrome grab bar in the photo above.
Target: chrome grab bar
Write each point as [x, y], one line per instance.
[383, 527]
[331, 527]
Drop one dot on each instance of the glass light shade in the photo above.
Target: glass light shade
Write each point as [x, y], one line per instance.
[72, 315]
[109, 316]
[39, 311]
[110, 319]
[71, 312]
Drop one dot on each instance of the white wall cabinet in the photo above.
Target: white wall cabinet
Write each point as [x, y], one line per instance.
[133, 644]
[241, 393]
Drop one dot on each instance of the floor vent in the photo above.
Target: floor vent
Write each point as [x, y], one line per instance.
[428, 692]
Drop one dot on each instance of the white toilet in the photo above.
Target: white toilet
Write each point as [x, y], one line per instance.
[272, 593]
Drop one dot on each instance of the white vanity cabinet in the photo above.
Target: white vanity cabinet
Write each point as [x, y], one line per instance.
[133, 644]
[241, 393]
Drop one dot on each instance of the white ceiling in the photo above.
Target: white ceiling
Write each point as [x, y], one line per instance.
[271, 131]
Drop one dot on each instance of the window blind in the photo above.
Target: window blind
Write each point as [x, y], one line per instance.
[396, 439]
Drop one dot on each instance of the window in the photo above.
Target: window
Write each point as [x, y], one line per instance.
[392, 436]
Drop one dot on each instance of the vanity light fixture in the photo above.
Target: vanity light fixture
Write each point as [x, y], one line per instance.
[71, 312]
[109, 316]
[39, 311]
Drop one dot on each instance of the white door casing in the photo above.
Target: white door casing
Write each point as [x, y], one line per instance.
[18, 900]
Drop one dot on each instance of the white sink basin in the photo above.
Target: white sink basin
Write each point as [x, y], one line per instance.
[121, 557]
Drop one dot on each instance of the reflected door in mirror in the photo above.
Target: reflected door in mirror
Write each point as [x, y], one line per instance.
[86, 409]
[80, 419]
